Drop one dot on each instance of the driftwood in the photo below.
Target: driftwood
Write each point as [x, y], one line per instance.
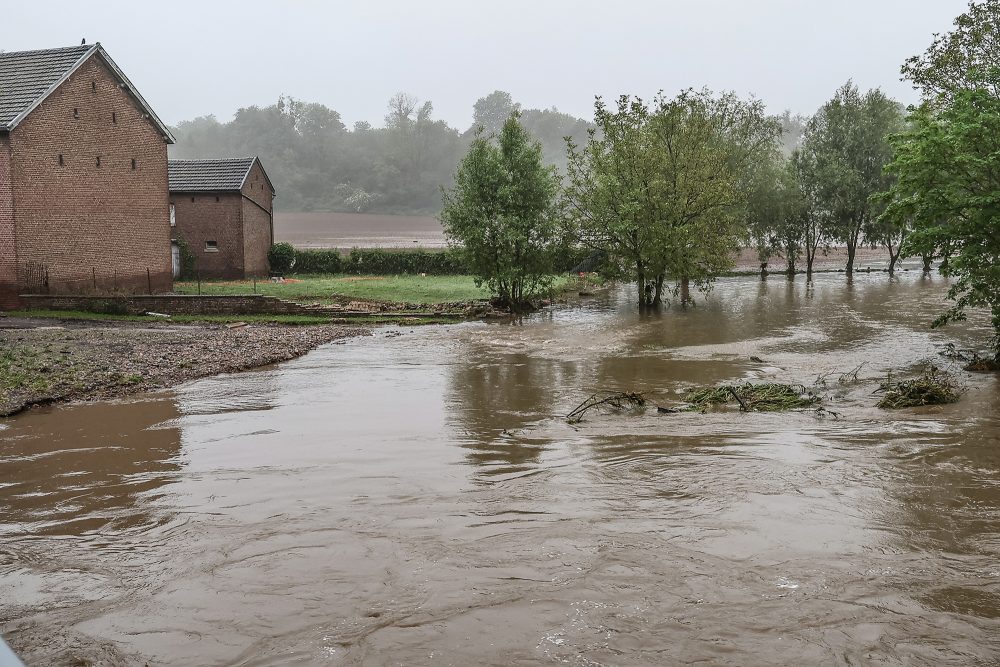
[620, 400]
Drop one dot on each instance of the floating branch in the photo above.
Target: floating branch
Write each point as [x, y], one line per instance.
[934, 387]
[753, 397]
[621, 400]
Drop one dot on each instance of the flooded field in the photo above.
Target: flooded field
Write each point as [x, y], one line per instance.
[415, 498]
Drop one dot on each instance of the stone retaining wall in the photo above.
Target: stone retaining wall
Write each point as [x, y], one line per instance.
[170, 304]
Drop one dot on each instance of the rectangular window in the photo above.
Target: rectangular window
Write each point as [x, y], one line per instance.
[211, 246]
[133, 164]
[173, 216]
[61, 161]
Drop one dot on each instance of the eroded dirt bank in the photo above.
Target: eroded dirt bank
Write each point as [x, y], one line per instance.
[42, 362]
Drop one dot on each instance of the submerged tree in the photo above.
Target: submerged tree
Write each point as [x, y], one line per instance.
[663, 191]
[501, 210]
[847, 147]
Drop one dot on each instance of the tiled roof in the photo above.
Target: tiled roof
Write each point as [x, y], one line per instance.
[26, 76]
[209, 175]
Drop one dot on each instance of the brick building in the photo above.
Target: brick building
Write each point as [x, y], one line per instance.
[83, 177]
[222, 211]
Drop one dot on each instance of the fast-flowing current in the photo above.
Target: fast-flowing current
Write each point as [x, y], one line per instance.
[417, 497]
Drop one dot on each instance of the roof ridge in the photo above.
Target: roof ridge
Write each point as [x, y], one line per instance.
[32, 52]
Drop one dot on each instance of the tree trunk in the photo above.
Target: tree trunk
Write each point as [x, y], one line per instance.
[641, 280]
[893, 258]
[927, 262]
[658, 291]
[685, 291]
[852, 249]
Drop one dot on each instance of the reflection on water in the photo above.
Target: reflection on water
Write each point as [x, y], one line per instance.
[417, 499]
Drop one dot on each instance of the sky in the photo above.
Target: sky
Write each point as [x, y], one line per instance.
[213, 56]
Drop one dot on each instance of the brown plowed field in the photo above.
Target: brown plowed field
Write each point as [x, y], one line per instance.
[366, 230]
[358, 230]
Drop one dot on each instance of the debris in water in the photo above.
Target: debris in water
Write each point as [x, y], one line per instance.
[757, 360]
[620, 400]
[934, 387]
[752, 397]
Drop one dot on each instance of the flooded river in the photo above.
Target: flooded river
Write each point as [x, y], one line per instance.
[415, 498]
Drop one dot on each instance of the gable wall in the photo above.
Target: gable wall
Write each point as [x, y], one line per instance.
[200, 218]
[257, 222]
[8, 250]
[79, 220]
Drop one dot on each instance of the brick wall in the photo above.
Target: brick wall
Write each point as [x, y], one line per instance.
[258, 220]
[8, 250]
[203, 217]
[81, 219]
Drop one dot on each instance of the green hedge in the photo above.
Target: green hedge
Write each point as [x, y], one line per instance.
[377, 261]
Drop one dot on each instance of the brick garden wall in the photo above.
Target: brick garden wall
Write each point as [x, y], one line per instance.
[92, 218]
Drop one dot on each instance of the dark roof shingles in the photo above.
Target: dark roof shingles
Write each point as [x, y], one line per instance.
[208, 175]
[25, 76]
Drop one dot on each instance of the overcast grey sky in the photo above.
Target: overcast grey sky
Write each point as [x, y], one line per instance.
[213, 56]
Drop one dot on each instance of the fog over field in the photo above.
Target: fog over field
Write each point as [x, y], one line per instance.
[368, 107]
[201, 58]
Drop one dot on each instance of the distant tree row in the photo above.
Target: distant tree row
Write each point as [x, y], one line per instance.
[317, 163]
[667, 192]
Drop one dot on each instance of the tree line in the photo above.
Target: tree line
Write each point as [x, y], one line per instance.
[666, 191]
[317, 163]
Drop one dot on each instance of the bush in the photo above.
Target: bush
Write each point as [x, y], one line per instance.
[318, 261]
[281, 258]
[378, 261]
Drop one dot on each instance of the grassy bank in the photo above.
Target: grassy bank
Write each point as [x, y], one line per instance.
[416, 289]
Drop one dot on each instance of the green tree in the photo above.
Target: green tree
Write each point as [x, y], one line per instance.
[663, 191]
[781, 219]
[948, 169]
[847, 145]
[967, 58]
[501, 211]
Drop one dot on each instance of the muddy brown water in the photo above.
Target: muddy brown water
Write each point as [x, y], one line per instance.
[416, 499]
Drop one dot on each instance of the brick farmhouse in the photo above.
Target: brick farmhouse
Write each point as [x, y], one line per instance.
[221, 211]
[83, 177]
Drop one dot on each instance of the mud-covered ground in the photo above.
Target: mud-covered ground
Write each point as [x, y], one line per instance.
[42, 363]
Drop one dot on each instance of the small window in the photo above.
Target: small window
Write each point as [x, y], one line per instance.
[76, 113]
[216, 199]
[173, 216]
[98, 160]
[114, 117]
[211, 246]
[192, 200]
[133, 164]
[61, 161]
[93, 86]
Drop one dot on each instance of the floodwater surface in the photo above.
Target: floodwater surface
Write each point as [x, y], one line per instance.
[416, 498]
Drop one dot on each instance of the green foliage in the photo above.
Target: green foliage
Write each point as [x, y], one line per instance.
[663, 191]
[965, 59]
[846, 148]
[318, 261]
[502, 212]
[379, 262]
[281, 258]
[316, 163]
[188, 259]
[948, 166]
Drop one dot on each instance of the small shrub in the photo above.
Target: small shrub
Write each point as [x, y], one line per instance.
[753, 397]
[281, 258]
